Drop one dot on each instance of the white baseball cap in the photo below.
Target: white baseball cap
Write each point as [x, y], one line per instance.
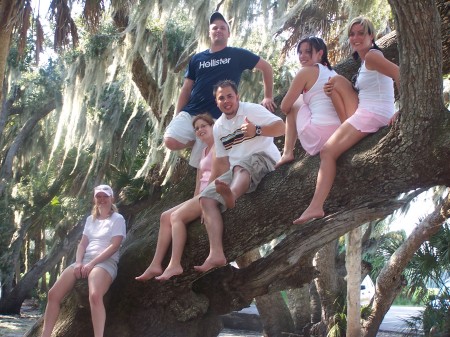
[105, 189]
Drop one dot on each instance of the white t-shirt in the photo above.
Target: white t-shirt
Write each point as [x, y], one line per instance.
[230, 141]
[100, 233]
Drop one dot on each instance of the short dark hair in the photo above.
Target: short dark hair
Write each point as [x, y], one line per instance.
[224, 84]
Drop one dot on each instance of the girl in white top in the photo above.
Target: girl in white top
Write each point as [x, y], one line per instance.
[367, 107]
[96, 259]
[310, 113]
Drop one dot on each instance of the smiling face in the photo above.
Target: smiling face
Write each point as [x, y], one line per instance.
[203, 130]
[219, 32]
[360, 39]
[102, 200]
[307, 55]
[227, 101]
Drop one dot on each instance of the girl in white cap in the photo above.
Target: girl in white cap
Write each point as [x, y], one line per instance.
[96, 260]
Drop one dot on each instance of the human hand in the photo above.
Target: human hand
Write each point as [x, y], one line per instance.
[328, 87]
[394, 118]
[269, 104]
[86, 269]
[77, 270]
[248, 128]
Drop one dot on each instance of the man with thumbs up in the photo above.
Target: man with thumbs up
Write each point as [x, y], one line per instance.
[245, 153]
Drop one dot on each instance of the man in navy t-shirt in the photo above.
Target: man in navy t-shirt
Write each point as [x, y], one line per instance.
[205, 69]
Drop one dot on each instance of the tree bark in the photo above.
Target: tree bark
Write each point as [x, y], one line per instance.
[353, 266]
[273, 311]
[299, 306]
[8, 11]
[326, 282]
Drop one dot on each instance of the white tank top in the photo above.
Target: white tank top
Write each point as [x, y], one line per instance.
[376, 91]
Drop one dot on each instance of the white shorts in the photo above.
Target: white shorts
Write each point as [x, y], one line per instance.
[181, 129]
[109, 265]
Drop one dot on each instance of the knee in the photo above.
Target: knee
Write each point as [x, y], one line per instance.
[207, 203]
[175, 217]
[337, 79]
[165, 218]
[172, 143]
[238, 169]
[95, 298]
[327, 153]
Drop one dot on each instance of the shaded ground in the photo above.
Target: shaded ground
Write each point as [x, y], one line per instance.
[17, 326]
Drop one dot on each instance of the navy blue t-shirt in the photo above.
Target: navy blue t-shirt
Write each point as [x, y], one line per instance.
[206, 69]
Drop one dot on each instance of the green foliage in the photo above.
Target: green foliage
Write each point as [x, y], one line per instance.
[96, 44]
[433, 319]
[339, 325]
[408, 298]
[177, 31]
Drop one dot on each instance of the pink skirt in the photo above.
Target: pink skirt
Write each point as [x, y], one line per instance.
[365, 121]
[311, 136]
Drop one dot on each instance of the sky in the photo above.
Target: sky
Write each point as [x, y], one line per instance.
[418, 210]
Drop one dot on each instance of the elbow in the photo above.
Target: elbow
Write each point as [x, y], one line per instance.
[284, 108]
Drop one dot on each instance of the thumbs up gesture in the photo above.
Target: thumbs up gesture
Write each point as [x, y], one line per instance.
[248, 128]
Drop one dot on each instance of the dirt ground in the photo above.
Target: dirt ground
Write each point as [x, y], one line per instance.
[17, 326]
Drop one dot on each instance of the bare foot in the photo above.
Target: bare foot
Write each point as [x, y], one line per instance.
[169, 272]
[211, 263]
[150, 273]
[224, 190]
[308, 215]
[285, 158]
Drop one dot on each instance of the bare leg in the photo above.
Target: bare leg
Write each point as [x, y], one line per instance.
[189, 211]
[174, 145]
[214, 227]
[99, 281]
[290, 138]
[344, 138]
[164, 239]
[344, 97]
[63, 285]
[239, 185]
